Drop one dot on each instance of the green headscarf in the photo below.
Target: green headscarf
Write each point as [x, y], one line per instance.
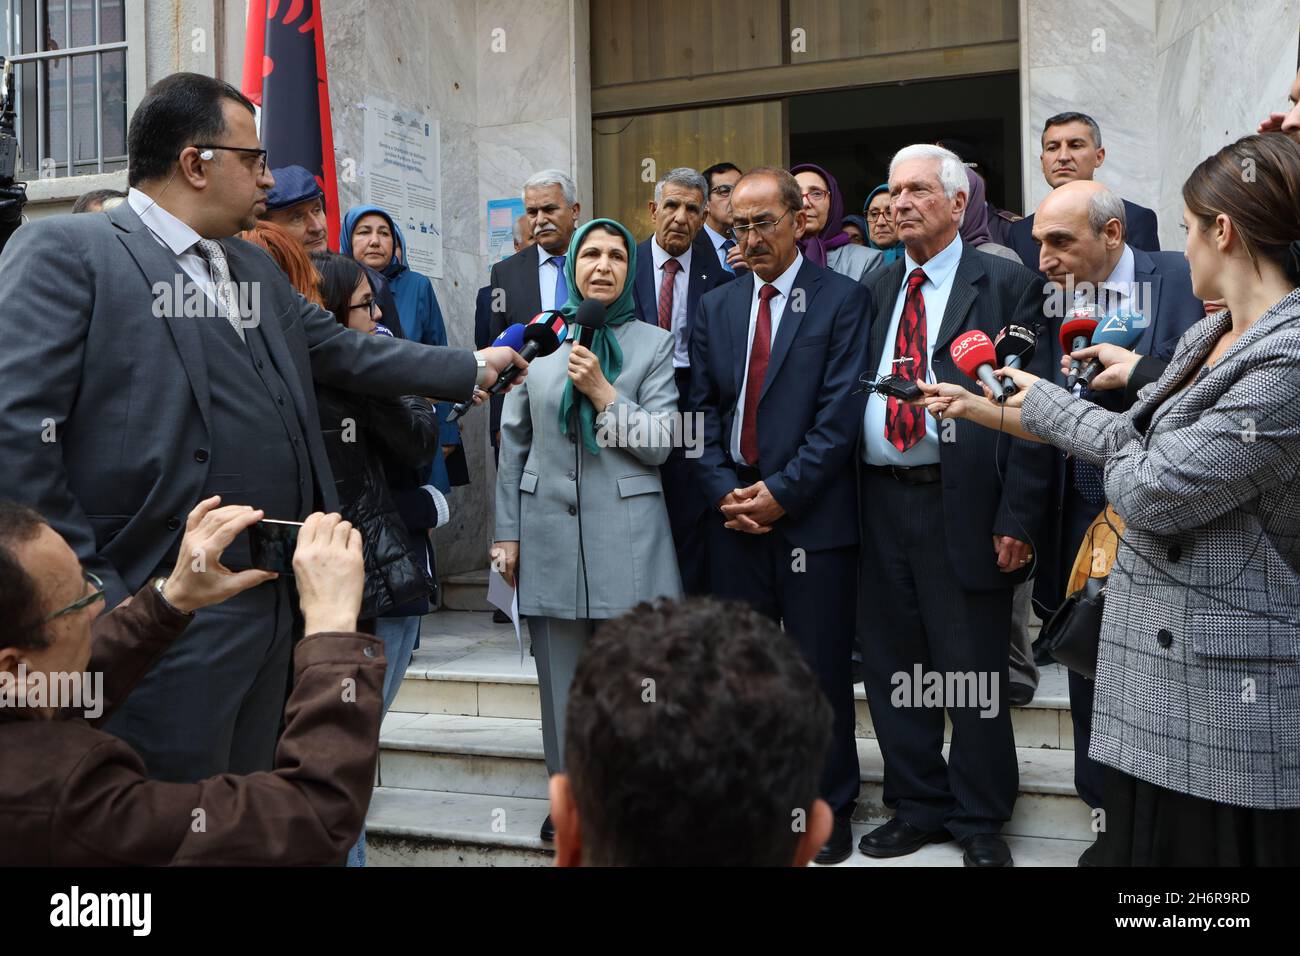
[604, 345]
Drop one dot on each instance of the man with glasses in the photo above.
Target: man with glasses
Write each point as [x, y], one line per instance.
[169, 362]
[72, 795]
[775, 360]
[722, 179]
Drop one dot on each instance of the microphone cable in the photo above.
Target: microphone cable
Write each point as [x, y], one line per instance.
[577, 481]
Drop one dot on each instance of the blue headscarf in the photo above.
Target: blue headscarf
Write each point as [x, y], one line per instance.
[888, 253]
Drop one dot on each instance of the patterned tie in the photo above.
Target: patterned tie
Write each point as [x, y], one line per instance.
[1090, 483]
[561, 287]
[671, 266]
[211, 250]
[759, 353]
[905, 424]
[727, 246]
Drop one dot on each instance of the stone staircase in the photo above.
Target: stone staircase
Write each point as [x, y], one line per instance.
[462, 781]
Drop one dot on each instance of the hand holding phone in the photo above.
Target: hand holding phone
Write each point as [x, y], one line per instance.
[330, 571]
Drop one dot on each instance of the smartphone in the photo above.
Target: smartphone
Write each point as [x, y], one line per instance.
[271, 544]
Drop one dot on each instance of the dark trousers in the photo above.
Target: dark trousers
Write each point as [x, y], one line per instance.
[916, 612]
[212, 703]
[812, 595]
[689, 511]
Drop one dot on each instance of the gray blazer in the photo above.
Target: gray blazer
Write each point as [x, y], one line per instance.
[853, 261]
[126, 393]
[625, 532]
[1198, 676]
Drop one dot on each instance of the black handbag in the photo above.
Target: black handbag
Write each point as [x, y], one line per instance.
[1072, 634]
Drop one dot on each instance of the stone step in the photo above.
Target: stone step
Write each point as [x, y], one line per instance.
[503, 757]
[491, 681]
[432, 828]
[466, 591]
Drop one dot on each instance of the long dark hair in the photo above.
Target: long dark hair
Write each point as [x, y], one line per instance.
[339, 276]
[1255, 182]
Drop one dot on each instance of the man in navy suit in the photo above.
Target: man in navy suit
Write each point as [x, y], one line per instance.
[775, 360]
[1080, 232]
[1072, 151]
[948, 517]
[676, 268]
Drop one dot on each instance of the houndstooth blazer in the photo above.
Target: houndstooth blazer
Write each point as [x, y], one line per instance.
[1198, 675]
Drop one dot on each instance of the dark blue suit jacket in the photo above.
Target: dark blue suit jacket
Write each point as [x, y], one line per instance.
[1140, 232]
[483, 318]
[808, 414]
[706, 275]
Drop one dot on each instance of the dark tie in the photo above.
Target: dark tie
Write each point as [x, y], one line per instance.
[727, 246]
[561, 287]
[666, 294]
[905, 424]
[759, 353]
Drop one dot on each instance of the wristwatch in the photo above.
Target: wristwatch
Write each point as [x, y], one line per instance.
[482, 367]
[158, 585]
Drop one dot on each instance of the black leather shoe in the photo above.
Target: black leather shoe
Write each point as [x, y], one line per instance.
[548, 830]
[500, 617]
[899, 838]
[986, 849]
[839, 847]
[1020, 695]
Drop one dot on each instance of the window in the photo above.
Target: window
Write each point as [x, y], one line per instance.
[70, 84]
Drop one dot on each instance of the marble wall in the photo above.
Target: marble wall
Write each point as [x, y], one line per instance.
[1169, 82]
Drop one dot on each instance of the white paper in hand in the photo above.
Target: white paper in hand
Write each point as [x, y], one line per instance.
[503, 596]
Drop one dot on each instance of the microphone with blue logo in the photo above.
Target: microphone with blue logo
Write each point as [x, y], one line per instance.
[1122, 329]
[541, 336]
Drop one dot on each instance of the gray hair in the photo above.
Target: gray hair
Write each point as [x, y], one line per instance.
[952, 171]
[519, 229]
[685, 177]
[1104, 206]
[554, 177]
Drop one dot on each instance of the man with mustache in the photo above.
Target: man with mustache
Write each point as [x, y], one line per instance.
[1072, 150]
[677, 266]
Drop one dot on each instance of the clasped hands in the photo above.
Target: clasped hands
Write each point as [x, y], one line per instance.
[752, 510]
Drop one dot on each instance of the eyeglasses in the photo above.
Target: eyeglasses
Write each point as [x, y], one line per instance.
[723, 190]
[816, 195]
[237, 149]
[96, 594]
[765, 228]
[875, 214]
[368, 305]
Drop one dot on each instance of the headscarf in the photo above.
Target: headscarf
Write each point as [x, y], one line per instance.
[862, 227]
[888, 253]
[604, 345]
[975, 227]
[832, 234]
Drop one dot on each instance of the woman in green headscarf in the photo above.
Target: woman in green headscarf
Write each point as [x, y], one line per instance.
[581, 526]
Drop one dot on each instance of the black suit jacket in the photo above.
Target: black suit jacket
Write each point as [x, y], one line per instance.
[808, 414]
[988, 292]
[513, 284]
[1140, 231]
[706, 275]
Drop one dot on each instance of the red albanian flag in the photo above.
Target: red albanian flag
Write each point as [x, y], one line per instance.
[284, 74]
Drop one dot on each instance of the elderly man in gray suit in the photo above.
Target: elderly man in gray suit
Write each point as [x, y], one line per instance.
[167, 363]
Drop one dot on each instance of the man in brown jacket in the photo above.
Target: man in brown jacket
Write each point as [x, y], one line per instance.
[72, 795]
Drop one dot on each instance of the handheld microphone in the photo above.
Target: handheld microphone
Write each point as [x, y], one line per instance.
[541, 336]
[1120, 329]
[974, 354]
[591, 317]
[1014, 346]
[1077, 334]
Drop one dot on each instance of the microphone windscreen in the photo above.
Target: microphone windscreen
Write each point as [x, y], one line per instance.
[548, 330]
[1121, 329]
[1015, 340]
[1075, 328]
[512, 337]
[591, 314]
[973, 350]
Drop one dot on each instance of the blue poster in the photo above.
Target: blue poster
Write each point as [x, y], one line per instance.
[501, 216]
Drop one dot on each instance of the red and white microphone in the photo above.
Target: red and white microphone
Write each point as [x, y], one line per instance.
[974, 354]
[1077, 334]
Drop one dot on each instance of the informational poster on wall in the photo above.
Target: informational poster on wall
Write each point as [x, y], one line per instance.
[403, 176]
[501, 216]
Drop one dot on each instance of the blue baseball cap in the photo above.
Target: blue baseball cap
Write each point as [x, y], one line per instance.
[293, 184]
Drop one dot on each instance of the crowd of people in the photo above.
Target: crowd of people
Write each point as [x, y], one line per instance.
[763, 473]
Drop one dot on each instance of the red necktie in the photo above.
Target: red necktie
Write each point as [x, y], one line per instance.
[905, 424]
[759, 353]
[666, 294]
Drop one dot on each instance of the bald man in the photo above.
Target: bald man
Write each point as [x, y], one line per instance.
[1082, 250]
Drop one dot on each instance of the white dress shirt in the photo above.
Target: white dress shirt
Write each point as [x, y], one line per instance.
[716, 239]
[784, 283]
[546, 277]
[939, 273]
[1115, 294]
[177, 237]
[681, 286]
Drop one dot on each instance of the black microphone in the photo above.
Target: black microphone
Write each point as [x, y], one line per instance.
[541, 336]
[590, 318]
[1015, 349]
